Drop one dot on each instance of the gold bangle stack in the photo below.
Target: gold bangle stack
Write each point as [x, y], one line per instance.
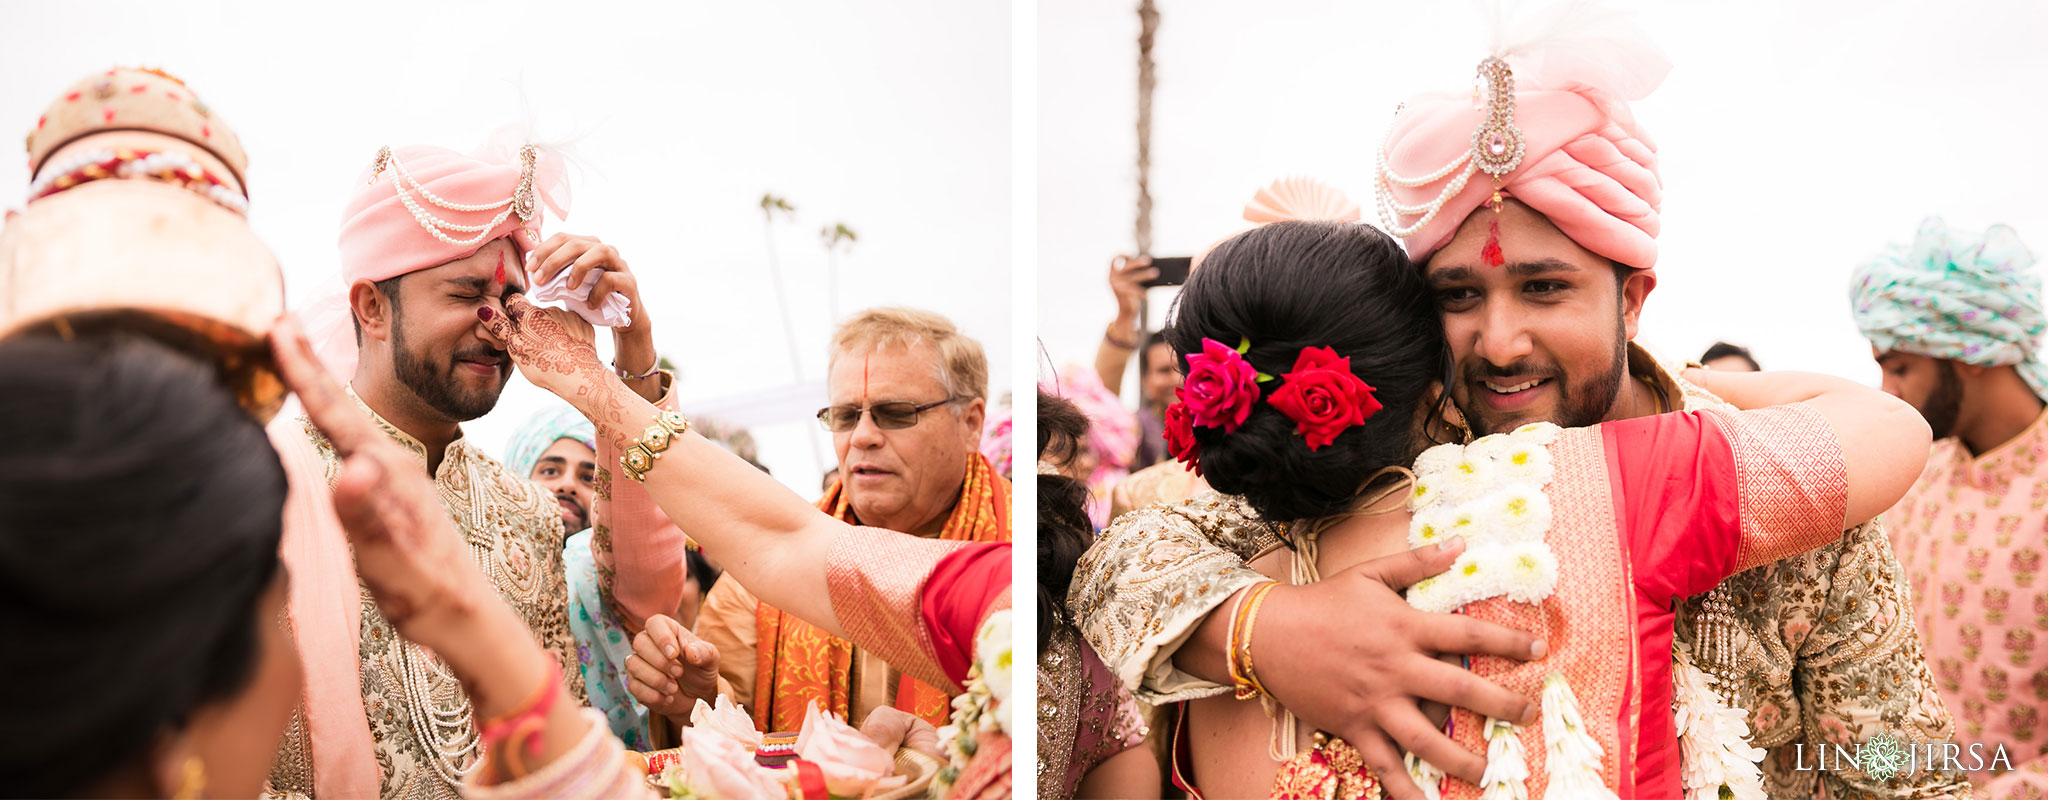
[1242, 674]
[644, 451]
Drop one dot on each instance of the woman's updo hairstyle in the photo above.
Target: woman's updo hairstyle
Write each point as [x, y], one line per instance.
[140, 512]
[1290, 285]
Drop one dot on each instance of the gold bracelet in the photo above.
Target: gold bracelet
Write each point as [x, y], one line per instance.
[1230, 651]
[644, 451]
[1241, 619]
[1251, 618]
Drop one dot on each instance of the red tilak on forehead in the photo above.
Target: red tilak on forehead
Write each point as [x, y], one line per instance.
[499, 276]
[1491, 253]
[864, 377]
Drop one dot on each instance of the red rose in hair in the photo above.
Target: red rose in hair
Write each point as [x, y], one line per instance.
[1221, 386]
[1323, 397]
[1180, 434]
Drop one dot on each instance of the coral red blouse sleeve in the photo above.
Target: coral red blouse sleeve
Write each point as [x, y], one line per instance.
[916, 602]
[1707, 494]
[964, 589]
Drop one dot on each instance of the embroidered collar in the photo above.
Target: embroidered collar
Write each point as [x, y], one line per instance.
[412, 445]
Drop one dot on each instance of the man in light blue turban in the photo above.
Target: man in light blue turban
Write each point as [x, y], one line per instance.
[557, 448]
[1955, 320]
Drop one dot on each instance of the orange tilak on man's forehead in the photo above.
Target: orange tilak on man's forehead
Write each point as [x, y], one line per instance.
[499, 276]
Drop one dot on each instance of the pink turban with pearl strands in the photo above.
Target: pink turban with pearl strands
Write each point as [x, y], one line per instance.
[1572, 151]
[419, 207]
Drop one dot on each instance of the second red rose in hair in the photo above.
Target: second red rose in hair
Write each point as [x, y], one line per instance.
[1322, 396]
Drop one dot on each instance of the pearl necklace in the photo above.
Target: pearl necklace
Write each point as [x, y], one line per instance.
[521, 201]
[425, 683]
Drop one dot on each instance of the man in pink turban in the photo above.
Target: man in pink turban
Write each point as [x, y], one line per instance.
[1533, 213]
[429, 241]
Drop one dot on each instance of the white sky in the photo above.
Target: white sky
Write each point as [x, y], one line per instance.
[1796, 139]
[893, 117]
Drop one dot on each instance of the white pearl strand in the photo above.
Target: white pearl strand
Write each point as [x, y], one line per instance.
[1391, 211]
[399, 166]
[436, 225]
[456, 756]
[423, 678]
[150, 166]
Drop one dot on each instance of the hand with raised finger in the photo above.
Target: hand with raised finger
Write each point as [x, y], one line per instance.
[891, 728]
[671, 669]
[1367, 682]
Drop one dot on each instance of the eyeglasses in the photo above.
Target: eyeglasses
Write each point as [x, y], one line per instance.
[890, 416]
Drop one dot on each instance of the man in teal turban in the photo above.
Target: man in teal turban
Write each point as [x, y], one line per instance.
[1955, 319]
[557, 448]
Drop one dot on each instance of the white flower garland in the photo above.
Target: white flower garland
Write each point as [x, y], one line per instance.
[1713, 738]
[1426, 776]
[984, 706]
[1490, 493]
[1574, 757]
[1507, 769]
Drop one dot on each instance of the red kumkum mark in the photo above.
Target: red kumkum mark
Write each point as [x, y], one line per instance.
[499, 276]
[107, 113]
[73, 97]
[138, 88]
[1491, 253]
[206, 131]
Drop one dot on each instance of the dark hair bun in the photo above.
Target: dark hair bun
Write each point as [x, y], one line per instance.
[1291, 285]
[140, 510]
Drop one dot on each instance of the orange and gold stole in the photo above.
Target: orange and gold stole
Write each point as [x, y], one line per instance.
[799, 663]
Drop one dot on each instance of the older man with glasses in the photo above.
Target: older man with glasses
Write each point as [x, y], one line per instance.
[908, 395]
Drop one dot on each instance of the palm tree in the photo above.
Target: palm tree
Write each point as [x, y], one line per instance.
[1148, 24]
[772, 207]
[834, 237]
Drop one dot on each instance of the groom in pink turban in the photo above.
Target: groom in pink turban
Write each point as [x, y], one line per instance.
[1533, 213]
[430, 241]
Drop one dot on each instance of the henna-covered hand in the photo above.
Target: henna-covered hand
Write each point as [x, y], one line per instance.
[557, 350]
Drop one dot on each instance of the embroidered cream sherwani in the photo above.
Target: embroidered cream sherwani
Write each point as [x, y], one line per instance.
[514, 531]
[1823, 647]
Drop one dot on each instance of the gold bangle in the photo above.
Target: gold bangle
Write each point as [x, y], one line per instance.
[1252, 687]
[1241, 677]
[1230, 651]
[644, 451]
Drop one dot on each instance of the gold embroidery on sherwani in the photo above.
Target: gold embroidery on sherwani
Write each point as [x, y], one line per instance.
[514, 532]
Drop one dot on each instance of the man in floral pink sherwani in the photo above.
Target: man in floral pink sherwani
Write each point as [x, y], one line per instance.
[1955, 320]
